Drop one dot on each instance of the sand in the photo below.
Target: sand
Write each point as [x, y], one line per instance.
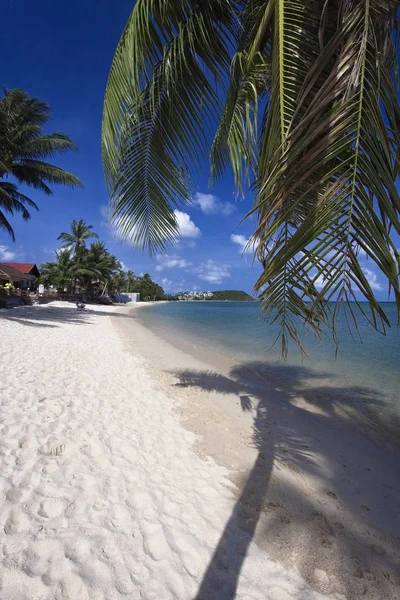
[120, 477]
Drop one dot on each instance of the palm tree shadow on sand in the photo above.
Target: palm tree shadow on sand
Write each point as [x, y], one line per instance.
[283, 434]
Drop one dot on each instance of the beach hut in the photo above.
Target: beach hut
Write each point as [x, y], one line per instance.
[19, 279]
[26, 268]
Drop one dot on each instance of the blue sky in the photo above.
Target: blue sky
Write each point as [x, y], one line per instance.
[62, 54]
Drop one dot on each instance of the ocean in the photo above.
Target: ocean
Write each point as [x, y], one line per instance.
[363, 377]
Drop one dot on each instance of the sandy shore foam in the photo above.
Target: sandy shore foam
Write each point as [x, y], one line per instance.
[107, 492]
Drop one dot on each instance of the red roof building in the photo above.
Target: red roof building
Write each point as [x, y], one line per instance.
[27, 268]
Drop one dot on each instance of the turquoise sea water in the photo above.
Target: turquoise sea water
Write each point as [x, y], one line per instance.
[365, 375]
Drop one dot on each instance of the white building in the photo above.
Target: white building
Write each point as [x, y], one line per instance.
[133, 296]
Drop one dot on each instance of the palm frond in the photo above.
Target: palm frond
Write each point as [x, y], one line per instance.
[236, 139]
[324, 156]
[36, 173]
[12, 201]
[6, 226]
[159, 106]
[333, 189]
[22, 145]
[45, 146]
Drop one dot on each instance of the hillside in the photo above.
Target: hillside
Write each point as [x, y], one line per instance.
[232, 296]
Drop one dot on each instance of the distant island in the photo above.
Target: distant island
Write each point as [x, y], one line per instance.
[219, 296]
[232, 296]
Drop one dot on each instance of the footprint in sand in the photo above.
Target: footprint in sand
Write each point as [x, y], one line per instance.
[326, 542]
[284, 515]
[378, 549]
[390, 487]
[51, 508]
[322, 523]
[285, 518]
[14, 495]
[28, 441]
[35, 563]
[17, 522]
[50, 468]
[339, 526]
[154, 542]
[331, 494]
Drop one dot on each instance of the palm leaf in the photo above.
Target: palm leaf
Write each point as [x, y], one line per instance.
[159, 106]
[325, 156]
[47, 145]
[235, 141]
[13, 201]
[333, 190]
[36, 173]
[22, 145]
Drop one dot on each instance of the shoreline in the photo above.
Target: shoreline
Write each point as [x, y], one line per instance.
[131, 469]
[364, 415]
[327, 483]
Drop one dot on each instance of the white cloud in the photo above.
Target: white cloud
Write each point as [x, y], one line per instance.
[6, 254]
[104, 211]
[211, 205]
[212, 271]
[166, 284]
[48, 251]
[187, 228]
[180, 243]
[244, 243]
[372, 279]
[166, 261]
[172, 286]
[320, 282]
[124, 267]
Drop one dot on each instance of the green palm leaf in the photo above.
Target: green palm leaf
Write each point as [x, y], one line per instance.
[76, 238]
[23, 146]
[158, 108]
[13, 201]
[340, 156]
[323, 157]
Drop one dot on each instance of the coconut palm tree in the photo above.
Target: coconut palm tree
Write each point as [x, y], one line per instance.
[23, 150]
[129, 279]
[99, 267]
[94, 271]
[76, 238]
[61, 273]
[300, 98]
[117, 282]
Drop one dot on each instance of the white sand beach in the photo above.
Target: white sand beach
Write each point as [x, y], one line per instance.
[130, 469]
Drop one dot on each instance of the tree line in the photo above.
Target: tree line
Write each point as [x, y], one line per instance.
[91, 271]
